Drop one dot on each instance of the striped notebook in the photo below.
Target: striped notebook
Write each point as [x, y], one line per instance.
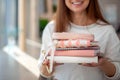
[75, 43]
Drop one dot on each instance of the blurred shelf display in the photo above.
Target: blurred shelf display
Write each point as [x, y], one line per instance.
[49, 9]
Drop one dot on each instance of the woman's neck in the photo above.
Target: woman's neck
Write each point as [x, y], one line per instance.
[81, 19]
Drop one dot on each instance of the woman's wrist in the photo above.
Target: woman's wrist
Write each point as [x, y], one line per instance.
[108, 68]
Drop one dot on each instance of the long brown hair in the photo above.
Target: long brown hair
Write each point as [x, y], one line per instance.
[63, 17]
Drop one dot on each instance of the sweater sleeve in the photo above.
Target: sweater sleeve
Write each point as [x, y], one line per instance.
[46, 40]
[113, 52]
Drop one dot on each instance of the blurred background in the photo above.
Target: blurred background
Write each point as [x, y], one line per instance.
[21, 25]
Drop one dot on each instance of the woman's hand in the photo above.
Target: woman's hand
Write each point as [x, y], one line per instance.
[101, 62]
[105, 65]
[45, 66]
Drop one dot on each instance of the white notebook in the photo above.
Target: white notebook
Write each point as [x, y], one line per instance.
[64, 59]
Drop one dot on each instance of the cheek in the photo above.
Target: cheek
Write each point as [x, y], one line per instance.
[87, 3]
[67, 3]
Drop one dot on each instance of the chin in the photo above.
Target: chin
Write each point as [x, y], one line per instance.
[78, 11]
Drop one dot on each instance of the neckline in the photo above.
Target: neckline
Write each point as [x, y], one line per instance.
[83, 27]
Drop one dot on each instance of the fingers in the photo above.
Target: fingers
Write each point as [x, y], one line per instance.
[100, 55]
[46, 62]
[44, 70]
[89, 64]
[102, 61]
[58, 64]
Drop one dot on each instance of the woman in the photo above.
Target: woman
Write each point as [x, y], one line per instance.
[83, 16]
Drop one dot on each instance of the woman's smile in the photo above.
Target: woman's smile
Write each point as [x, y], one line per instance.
[77, 5]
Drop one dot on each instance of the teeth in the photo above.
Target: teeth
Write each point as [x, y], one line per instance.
[76, 2]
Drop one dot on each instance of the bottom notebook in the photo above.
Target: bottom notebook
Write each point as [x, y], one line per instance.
[64, 59]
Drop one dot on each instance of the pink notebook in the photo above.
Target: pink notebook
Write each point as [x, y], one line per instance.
[66, 35]
[77, 53]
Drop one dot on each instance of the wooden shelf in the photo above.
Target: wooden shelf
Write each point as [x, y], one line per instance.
[46, 16]
[50, 13]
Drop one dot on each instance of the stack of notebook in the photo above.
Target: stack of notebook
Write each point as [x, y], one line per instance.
[75, 48]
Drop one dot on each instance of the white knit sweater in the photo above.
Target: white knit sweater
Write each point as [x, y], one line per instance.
[109, 45]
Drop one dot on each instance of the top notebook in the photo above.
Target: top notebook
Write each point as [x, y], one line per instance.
[68, 35]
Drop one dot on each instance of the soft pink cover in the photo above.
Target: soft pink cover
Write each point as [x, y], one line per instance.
[77, 53]
[66, 35]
